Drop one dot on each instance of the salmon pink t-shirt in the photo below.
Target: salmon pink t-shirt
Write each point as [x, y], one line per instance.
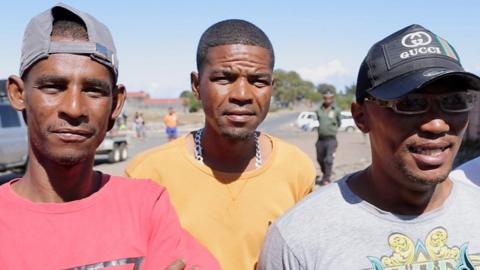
[125, 225]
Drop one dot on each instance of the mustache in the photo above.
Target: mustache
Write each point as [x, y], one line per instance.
[62, 125]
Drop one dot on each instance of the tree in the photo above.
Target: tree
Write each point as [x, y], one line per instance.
[290, 87]
[350, 90]
[189, 101]
[345, 99]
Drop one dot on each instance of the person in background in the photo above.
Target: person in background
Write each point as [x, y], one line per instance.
[170, 121]
[329, 119]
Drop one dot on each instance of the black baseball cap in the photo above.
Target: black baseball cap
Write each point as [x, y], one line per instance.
[406, 61]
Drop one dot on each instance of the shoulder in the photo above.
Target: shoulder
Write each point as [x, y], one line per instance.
[140, 187]
[156, 154]
[468, 172]
[313, 215]
[467, 191]
[286, 152]
[315, 207]
[287, 148]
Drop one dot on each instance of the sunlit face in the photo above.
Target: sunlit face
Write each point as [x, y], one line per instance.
[420, 147]
[235, 87]
[69, 105]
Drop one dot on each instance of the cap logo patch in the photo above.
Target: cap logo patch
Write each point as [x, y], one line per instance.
[417, 43]
[416, 39]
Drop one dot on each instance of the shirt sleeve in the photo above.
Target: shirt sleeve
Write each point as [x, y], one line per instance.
[276, 254]
[169, 241]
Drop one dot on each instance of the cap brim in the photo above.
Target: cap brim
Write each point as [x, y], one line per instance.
[410, 82]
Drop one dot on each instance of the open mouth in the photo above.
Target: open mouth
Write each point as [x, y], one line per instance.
[430, 155]
[428, 151]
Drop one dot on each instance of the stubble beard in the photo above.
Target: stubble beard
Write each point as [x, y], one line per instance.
[416, 178]
[237, 134]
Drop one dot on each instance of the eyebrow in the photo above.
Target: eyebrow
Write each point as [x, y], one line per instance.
[97, 83]
[46, 79]
[231, 71]
[262, 74]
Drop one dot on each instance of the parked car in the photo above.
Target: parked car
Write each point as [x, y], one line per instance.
[308, 121]
[13, 135]
[114, 147]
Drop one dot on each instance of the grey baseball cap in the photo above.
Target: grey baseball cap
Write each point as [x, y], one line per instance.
[37, 43]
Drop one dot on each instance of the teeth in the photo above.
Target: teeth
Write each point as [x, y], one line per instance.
[427, 152]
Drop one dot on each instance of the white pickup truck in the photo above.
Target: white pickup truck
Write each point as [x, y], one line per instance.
[114, 146]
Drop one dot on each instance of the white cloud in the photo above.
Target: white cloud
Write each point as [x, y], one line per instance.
[324, 73]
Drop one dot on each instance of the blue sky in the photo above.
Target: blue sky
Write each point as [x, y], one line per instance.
[325, 41]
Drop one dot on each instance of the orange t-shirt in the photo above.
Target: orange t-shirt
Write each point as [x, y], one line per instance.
[228, 212]
[170, 120]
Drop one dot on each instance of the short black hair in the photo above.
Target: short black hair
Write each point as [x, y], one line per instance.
[233, 31]
[66, 24]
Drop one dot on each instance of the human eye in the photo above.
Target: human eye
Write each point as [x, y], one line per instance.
[96, 92]
[96, 89]
[459, 101]
[220, 80]
[260, 81]
[223, 77]
[412, 104]
[51, 84]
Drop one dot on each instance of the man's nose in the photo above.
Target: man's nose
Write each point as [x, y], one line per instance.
[241, 93]
[73, 106]
[435, 120]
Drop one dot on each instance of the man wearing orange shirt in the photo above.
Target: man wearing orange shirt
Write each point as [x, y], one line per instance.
[229, 181]
[170, 121]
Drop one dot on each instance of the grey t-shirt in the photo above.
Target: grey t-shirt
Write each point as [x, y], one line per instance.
[333, 228]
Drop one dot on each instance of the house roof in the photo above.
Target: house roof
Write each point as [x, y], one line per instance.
[138, 94]
[153, 101]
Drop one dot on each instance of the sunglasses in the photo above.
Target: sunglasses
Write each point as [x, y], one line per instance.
[454, 102]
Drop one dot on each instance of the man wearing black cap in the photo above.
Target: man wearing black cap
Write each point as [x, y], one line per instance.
[401, 212]
[329, 120]
[62, 214]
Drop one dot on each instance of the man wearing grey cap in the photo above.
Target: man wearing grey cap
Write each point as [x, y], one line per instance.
[402, 211]
[62, 214]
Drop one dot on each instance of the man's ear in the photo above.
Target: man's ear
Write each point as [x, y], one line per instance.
[16, 92]
[119, 96]
[360, 116]
[195, 84]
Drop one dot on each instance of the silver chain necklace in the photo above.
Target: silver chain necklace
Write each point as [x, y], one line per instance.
[199, 150]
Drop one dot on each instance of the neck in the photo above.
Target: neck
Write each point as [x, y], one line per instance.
[226, 154]
[397, 194]
[52, 183]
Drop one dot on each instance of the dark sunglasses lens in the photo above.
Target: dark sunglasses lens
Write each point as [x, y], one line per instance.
[412, 104]
[457, 102]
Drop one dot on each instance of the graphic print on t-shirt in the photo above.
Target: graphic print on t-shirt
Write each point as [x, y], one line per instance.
[432, 253]
[133, 263]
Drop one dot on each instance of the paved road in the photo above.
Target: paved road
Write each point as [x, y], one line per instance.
[353, 152]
